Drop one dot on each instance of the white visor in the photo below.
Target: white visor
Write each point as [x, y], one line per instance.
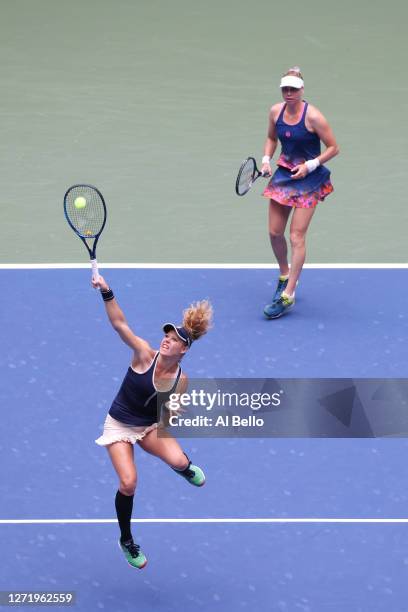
[291, 81]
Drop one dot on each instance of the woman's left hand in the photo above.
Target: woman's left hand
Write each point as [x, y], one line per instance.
[300, 171]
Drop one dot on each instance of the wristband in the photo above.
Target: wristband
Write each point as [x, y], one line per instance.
[312, 164]
[107, 296]
[266, 159]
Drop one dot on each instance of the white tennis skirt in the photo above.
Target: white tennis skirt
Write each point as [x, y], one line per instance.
[115, 431]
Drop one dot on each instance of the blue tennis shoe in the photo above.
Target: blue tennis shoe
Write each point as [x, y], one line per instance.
[279, 307]
[281, 286]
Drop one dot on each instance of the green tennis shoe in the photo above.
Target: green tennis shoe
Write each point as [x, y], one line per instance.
[133, 554]
[193, 474]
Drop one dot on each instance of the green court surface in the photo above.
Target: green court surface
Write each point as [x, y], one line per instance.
[158, 102]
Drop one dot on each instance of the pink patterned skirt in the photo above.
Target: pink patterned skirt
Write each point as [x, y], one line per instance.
[299, 193]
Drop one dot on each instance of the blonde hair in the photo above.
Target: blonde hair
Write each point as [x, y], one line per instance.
[295, 71]
[197, 318]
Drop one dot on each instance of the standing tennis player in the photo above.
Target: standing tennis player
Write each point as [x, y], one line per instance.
[134, 416]
[299, 183]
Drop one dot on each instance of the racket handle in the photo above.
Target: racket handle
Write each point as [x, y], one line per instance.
[95, 271]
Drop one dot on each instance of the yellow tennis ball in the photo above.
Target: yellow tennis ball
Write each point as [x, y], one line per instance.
[80, 202]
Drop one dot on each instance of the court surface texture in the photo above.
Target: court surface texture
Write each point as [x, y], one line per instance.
[281, 524]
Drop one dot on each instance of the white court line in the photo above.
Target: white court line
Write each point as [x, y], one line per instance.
[199, 266]
[204, 520]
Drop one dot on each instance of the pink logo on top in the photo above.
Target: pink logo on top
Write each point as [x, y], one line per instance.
[288, 134]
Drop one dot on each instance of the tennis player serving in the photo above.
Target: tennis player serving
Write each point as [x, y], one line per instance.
[133, 416]
[299, 183]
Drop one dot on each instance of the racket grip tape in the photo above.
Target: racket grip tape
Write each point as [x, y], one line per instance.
[95, 271]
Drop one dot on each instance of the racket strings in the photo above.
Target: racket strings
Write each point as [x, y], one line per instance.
[89, 219]
[246, 176]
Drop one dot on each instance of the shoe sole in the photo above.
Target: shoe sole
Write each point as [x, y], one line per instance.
[132, 566]
[196, 485]
[281, 314]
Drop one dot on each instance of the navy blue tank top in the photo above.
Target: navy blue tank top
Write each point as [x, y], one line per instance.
[298, 143]
[138, 402]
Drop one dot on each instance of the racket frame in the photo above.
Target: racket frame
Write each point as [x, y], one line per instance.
[95, 237]
[255, 175]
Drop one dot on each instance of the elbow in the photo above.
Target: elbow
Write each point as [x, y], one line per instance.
[336, 150]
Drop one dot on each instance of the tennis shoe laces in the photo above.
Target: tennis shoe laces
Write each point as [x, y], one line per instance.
[193, 474]
[281, 286]
[280, 307]
[133, 554]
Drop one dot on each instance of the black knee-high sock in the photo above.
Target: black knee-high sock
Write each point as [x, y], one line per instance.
[124, 507]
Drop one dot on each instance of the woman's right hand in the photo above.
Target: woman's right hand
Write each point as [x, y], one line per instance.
[266, 170]
[100, 283]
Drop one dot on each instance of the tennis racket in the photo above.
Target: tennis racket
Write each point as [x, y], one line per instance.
[85, 211]
[247, 175]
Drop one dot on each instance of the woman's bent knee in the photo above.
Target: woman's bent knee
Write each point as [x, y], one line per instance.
[275, 235]
[127, 485]
[297, 239]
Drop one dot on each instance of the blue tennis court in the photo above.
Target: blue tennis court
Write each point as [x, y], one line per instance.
[61, 366]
